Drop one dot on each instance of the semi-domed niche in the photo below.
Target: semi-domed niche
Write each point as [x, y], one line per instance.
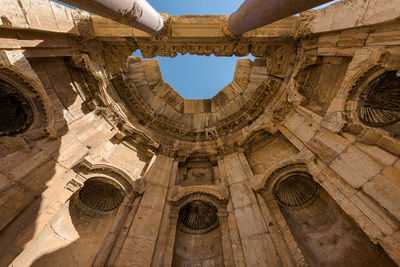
[198, 217]
[296, 190]
[323, 232]
[15, 109]
[379, 103]
[101, 195]
[198, 236]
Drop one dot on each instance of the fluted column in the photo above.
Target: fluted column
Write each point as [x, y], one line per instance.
[135, 13]
[253, 14]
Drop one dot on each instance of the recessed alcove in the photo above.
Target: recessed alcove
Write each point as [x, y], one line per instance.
[379, 104]
[15, 109]
[101, 195]
[198, 236]
[325, 234]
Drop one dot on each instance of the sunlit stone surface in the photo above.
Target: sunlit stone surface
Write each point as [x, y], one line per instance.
[293, 163]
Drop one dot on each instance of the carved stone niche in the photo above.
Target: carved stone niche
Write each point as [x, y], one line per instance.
[101, 194]
[257, 141]
[379, 102]
[198, 169]
[21, 107]
[318, 79]
[198, 217]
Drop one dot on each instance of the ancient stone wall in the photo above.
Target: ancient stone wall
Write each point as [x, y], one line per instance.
[293, 163]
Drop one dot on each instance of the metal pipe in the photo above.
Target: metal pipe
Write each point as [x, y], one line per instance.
[135, 13]
[253, 14]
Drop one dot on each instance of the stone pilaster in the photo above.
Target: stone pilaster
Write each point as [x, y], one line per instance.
[258, 248]
[226, 239]
[171, 234]
[141, 240]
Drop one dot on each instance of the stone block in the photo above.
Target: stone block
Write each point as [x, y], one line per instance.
[306, 131]
[374, 212]
[69, 153]
[259, 251]
[152, 72]
[12, 15]
[146, 224]
[360, 219]
[154, 197]
[28, 165]
[136, 252]
[247, 222]
[294, 121]
[386, 192]
[379, 11]
[63, 16]
[377, 153]
[240, 193]
[45, 21]
[355, 167]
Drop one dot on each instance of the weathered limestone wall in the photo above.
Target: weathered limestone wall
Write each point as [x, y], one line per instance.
[328, 237]
[141, 238]
[36, 171]
[347, 170]
[258, 248]
[72, 237]
[202, 250]
[265, 157]
[314, 67]
[24, 14]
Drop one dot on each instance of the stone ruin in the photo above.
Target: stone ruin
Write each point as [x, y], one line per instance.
[294, 163]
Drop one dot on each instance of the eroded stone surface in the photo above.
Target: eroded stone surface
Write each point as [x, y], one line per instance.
[82, 110]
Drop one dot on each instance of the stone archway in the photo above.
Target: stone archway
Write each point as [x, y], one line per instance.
[322, 230]
[197, 232]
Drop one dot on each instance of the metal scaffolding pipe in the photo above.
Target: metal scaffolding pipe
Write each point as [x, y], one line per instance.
[253, 14]
[135, 13]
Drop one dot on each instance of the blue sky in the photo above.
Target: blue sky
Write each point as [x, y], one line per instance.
[197, 77]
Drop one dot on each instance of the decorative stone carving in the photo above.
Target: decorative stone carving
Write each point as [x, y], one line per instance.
[198, 217]
[101, 195]
[295, 190]
[380, 101]
[21, 106]
[195, 176]
[198, 169]
[17, 114]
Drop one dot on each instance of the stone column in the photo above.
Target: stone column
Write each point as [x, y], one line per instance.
[231, 220]
[112, 235]
[142, 236]
[258, 248]
[170, 243]
[256, 13]
[288, 250]
[134, 13]
[119, 243]
[225, 238]
[162, 237]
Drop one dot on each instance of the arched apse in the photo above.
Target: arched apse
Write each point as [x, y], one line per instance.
[325, 234]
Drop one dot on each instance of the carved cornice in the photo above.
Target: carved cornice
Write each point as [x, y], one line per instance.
[200, 35]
